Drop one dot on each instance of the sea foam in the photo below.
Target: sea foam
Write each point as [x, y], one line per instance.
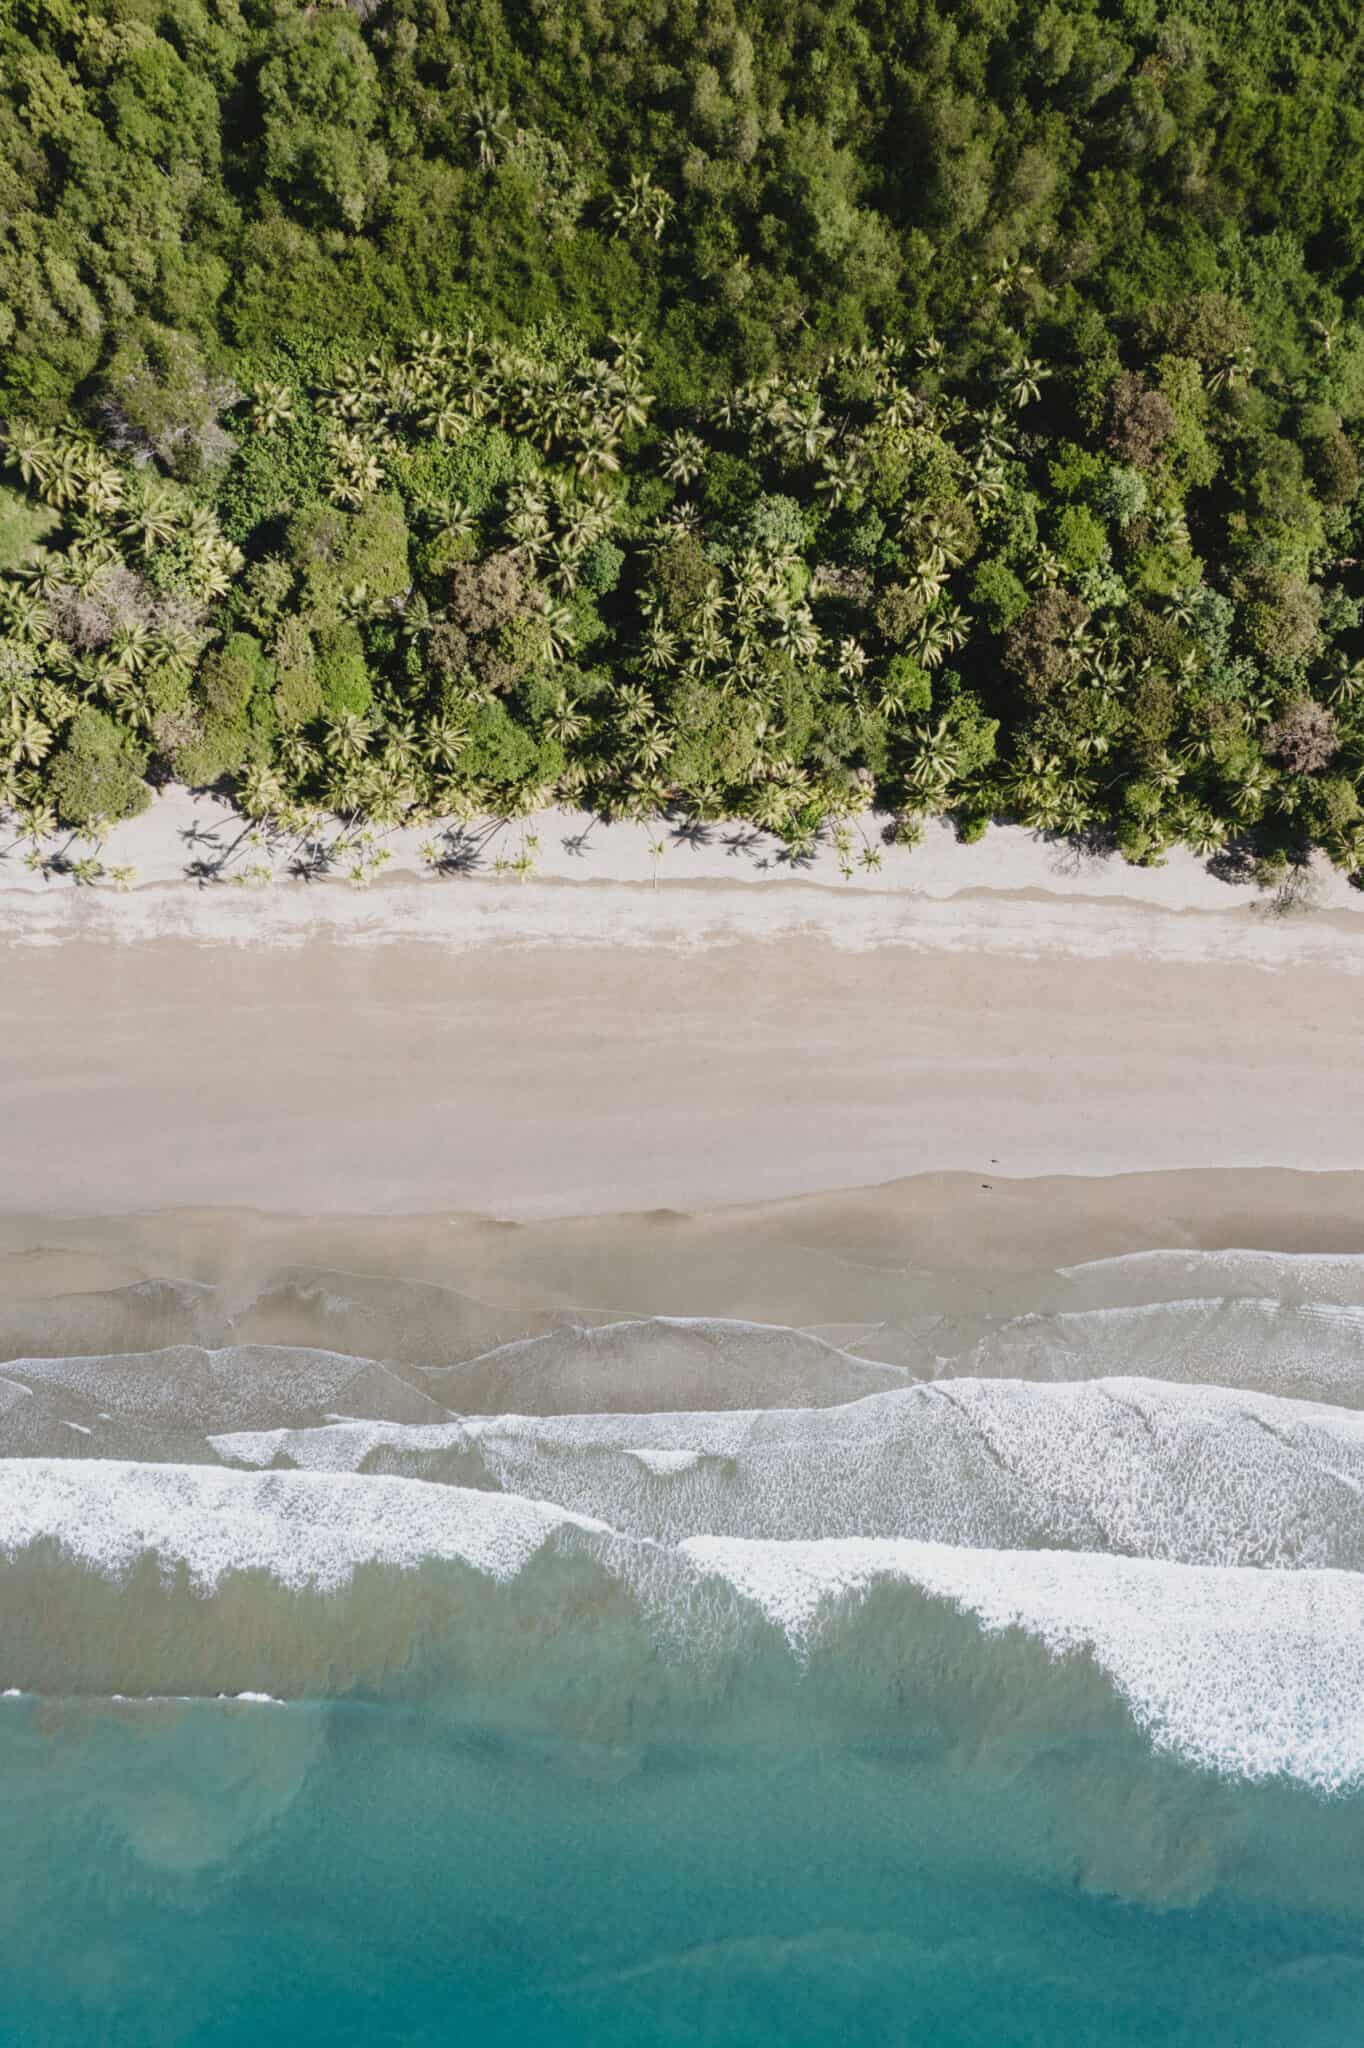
[1250, 1673]
[307, 1530]
[1197, 1475]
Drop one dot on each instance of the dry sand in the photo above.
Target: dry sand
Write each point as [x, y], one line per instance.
[734, 1036]
[595, 885]
[528, 1083]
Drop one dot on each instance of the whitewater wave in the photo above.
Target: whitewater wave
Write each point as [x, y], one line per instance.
[1198, 1475]
[1133, 1512]
[288, 1582]
[1312, 1350]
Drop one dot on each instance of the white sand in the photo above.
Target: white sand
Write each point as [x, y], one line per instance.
[1011, 893]
[587, 1042]
[525, 1082]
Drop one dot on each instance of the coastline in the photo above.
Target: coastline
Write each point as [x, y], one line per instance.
[838, 1261]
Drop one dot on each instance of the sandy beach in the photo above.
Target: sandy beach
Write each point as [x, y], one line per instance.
[1020, 1056]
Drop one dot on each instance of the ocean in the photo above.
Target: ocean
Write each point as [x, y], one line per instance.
[384, 1665]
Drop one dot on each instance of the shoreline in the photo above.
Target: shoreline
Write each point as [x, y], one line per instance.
[914, 1276]
[852, 1241]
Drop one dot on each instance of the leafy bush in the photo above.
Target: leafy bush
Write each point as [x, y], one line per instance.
[97, 775]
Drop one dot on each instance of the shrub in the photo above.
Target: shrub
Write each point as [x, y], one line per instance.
[231, 675]
[997, 594]
[98, 773]
[343, 679]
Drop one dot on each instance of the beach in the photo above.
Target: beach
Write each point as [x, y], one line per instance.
[528, 1405]
[587, 1042]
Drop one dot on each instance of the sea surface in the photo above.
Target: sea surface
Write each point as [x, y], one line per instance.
[385, 1665]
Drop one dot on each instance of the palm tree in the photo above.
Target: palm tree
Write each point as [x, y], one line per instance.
[150, 514]
[446, 741]
[643, 203]
[567, 722]
[559, 626]
[1231, 369]
[925, 583]
[659, 647]
[1022, 381]
[937, 759]
[650, 747]
[797, 634]
[33, 451]
[685, 454]
[634, 706]
[985, 485]
[1347, 684]
[272, 407]
[597, 452]
[1252, 790]
[852, 659]
[26, 739]
[260, 792]
[347, 738]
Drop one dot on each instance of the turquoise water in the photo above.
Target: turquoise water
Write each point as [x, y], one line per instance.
[1013, 1697]
[399, 1881]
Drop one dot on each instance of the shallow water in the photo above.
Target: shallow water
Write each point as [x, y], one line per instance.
[578, 1677]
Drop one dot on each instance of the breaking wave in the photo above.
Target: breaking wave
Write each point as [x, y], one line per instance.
[712, 1669]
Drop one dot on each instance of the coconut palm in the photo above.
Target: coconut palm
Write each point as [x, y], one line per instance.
[597, 454]
[1235, 367]
[797, 634]
[852, 659]
[559, 626]
[1253, 789]
[25, 738]
[567, 722]
[150, 513]
[685, 455]
[347, 737]
[658, 650]
[643, 204]
[840, 477]
[634, 707]
[131, 646]
[985, 485]
[925, 583]
[31, 450]
[1022, 381]
[272, 407]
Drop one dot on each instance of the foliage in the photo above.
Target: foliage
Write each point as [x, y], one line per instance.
[760, 411]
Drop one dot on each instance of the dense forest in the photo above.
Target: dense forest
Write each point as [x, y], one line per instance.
[734, 410]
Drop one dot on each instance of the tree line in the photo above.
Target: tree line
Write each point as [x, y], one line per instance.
[748, 411]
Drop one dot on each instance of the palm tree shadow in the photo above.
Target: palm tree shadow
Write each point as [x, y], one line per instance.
[744, 841]
[313, 862]
[1073, 852]
[691, 832]
[459, 851]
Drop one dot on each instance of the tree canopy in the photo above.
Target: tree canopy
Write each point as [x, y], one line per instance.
[759, 410]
